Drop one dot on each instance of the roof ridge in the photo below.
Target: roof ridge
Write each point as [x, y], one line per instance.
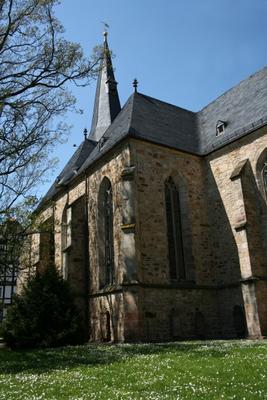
[166, 102]
[132, 98]
[233, 87]
[129, 102]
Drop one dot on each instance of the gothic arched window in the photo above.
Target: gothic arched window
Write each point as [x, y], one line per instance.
[66, 239]
[105, 227]
[264, 177]
[174, 231]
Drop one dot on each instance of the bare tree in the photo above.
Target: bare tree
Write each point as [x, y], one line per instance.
[36, 64]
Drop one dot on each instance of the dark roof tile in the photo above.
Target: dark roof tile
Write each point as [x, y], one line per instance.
[72, 168]
[240, 107]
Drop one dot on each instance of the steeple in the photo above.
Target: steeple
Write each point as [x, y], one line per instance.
[107, 102]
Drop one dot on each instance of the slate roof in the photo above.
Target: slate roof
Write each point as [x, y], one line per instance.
[164, 123]
[72, 168]
[243, 107]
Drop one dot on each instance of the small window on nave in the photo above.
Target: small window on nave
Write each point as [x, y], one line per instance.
[220, 127]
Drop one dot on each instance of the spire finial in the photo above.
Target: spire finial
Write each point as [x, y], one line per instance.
[85, 131]
[105, 34]
[135, 85]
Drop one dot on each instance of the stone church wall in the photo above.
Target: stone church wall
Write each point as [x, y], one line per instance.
[235, 189]
[224, 219]
[110, 307]
[173, 314]
[155, 164]
[161, 300]
[77, 273]
[76, 253]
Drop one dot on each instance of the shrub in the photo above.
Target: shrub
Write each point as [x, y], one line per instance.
[43, 315]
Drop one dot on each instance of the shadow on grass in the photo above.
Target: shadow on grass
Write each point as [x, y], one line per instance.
[41, 361]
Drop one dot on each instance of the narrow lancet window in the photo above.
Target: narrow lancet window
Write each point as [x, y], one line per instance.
[264, 177]
[106, 248]
[174, 231]
[66, 240]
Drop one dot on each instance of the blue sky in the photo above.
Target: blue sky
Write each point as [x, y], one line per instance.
[185, 52]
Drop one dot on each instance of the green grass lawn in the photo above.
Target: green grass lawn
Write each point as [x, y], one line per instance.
[186, 370]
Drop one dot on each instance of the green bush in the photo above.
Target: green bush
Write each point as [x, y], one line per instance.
[43, 315]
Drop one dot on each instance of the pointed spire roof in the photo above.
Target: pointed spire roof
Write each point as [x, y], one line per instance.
[107, 102]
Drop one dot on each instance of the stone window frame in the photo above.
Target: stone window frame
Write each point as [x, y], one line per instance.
[66, 227]
[186, 227]
[105, 227]
[260, 166]
[264, 178]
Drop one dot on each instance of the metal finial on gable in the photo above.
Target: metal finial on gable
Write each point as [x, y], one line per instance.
[135, 85]
[105, 34]
[85, 131]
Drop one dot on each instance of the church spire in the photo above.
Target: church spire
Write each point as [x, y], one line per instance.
[107, 102]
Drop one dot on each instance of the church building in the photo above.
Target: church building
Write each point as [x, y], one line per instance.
[159, 219]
